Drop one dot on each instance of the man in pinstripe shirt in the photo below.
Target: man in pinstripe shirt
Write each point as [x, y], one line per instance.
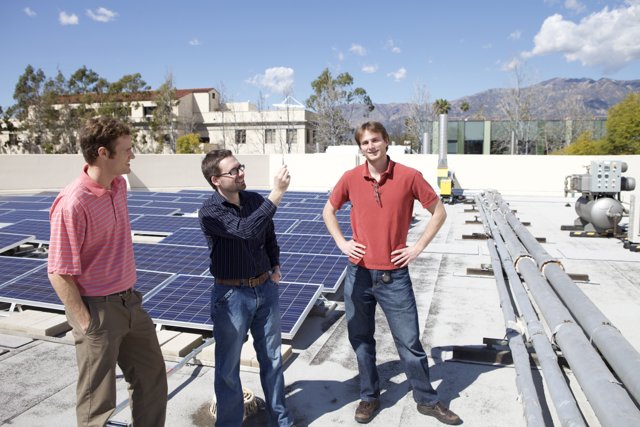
[238, 225]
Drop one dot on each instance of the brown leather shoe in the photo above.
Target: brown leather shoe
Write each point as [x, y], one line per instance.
[440, 412]
[366, 410]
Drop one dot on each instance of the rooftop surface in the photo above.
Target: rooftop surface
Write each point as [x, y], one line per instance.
[458, 309]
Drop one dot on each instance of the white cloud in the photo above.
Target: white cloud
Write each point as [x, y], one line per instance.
[102, 14]
[358, 49]
[399, 75]
[29, 12]
[194, 42]
[609, 39]
[66, 19]
[574, 5]
[511, 65]
[369, 69]
[276, 79]
[391, 45]
[516, 35]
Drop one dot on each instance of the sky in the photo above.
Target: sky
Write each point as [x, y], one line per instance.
[398, 51]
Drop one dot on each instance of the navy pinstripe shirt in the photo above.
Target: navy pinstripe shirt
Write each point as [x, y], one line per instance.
[242, 240]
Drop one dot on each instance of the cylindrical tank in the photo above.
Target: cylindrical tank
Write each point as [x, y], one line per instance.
[603, 213]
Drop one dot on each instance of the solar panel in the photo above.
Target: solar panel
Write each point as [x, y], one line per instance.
[325, 270]
[137, 202]
[191, 199]
[10, 240]
[26, 205]
[187, 236]
[151, 210]
[318, 228]
[146, 195]
[295, 300]
[19, 215]
[284, 214]
[45, 199]
[12, 267]
[39, 229]
[181, 206]
[171, 258]
[34, 288]
[163, 224]
[307, 205]
[184, 301]
[318, 245]
[281, 225]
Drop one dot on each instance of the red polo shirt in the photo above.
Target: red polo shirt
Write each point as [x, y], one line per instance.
[381, 222]
[91, 236]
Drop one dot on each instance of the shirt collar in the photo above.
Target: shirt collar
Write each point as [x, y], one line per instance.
[95, 188]
[388, 173]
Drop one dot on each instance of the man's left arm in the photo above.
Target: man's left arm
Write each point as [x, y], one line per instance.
[402, 257]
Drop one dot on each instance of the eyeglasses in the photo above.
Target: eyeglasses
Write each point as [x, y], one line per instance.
[376, 193]
[233, 172]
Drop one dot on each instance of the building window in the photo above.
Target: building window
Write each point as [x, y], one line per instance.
[292, 136]
[213, 96]
[148, 111]
[241, 137]
[269, 136]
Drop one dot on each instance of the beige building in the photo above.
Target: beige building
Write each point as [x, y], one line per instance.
[242, 127]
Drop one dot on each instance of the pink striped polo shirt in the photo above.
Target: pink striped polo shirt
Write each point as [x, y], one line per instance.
[91, 236]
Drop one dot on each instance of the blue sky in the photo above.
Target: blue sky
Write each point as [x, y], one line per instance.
[450, 48]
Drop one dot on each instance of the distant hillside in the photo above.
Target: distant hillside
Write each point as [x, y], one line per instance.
[550, 100]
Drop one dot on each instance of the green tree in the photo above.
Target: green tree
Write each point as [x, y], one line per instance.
[464, 107]
[188, 144]
[585, 146]
[333, 100]
[163, 122]
[623, 126]
[32, 109]
[121, 96]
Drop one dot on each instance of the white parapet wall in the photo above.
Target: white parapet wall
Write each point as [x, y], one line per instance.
[511, 175]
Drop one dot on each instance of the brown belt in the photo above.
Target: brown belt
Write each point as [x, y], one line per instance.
[251, 282]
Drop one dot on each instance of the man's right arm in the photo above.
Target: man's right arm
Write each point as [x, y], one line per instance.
[67, 291]
[348, 247]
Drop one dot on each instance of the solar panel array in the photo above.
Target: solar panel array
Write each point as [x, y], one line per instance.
[173, 273]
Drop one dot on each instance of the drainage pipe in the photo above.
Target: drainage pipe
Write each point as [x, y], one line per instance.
[563, 400]
[610, 401]
[623, 358]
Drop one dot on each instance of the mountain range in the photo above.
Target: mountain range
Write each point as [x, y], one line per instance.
[554, 99]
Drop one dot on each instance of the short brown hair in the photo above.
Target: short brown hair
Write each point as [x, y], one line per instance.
[376, 127]
[211, 164]
[101, 132]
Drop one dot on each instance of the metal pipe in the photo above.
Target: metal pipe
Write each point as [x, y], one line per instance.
[610, 401]
[563, 400]
[623, 358]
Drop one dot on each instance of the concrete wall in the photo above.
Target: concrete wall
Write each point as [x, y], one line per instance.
[511, 175]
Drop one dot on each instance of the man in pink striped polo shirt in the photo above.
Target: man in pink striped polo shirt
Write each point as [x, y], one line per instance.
[93, 271]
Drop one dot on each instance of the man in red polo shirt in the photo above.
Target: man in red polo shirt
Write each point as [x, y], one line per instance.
[93, 271]
[382, 194]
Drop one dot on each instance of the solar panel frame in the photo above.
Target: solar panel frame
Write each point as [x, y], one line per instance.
[187, 237]
[295, 302]
[11, 240]
[17, 215]
[152, 210]
[163, 225]
[178, 259]
[326, 270]
[15, 267]
[40, 229]
[301, 244]
[36, 206]
[184, 207]
[318, 228]
[34, 289]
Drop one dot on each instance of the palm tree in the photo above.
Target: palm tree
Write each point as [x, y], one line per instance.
[464, 107]
[441, 106]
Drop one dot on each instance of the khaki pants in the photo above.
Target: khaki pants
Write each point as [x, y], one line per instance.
[120, 332]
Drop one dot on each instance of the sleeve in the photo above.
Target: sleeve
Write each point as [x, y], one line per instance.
[217, 220]
[422, 191]
[68, 227]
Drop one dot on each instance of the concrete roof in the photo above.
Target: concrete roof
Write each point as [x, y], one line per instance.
[456, 308]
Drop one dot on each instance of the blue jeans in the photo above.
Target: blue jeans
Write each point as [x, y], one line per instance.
[235, 311]
[364, 289]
